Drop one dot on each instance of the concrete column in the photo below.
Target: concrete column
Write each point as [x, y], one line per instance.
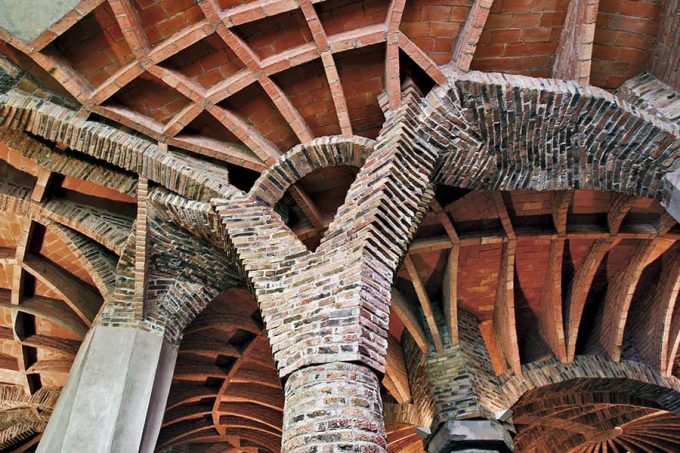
[333, 407]
[115, 395]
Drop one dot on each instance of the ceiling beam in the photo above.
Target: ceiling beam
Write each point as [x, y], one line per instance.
[574, 54]
[450, 283]
[504, 323]
[425, 303]
[61, 345]
[607, 335]
[550, 315]
[579, 289]
[308, 207]
[620, 206]
[52, 310]
[551, 323]
[83, 299]
[396, 376]
[560, 210]
[404, 310]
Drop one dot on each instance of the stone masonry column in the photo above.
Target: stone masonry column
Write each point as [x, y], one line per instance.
[333, 407]
[326, 311]
[115, 395]
[471, 412]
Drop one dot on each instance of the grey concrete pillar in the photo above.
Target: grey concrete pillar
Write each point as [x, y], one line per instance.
[115, 395]
[671, 193]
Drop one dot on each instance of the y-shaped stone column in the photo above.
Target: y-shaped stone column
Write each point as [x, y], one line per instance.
[327, 312]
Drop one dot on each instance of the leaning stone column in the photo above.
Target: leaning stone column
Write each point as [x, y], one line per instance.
[115, 395]
[333, 407]
[471, 413]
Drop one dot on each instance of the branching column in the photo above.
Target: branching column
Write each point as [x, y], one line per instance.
[327, 311]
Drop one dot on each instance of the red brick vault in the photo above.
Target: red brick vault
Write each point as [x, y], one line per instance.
[385, 226]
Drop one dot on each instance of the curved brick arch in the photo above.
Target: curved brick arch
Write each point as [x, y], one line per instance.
[544, 134]
[186, 274]
[303, 159]
[99, 263]
[187, 176]
[82, 238]
[109, 230]
[592, 374]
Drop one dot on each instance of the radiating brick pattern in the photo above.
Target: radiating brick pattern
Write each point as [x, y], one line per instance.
[333, 407]
[592, 373]
[186, 273]
[550, 121]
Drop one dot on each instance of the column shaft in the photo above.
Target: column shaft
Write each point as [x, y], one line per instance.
[333, 407]
[115, 394]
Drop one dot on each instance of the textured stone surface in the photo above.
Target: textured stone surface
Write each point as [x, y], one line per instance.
[28, 19]
[333, 407]
[332, 304]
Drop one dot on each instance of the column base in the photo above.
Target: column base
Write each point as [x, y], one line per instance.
[471, 436]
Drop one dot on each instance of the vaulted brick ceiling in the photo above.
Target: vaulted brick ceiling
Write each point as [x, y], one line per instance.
[238, 83]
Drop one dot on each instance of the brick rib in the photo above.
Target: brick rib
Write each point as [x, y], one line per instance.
[392, 73]
[424, 303]
[652, 317]
[504, 309]
[607, 335]
[574, 54]
[466, 43]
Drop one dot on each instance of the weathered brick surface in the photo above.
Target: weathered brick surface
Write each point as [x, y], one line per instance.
[99, 225]
[182, 174]
[333, 407]
[68, 163]
[304, 159]
[652, 95]
[331, 305]
[463, 381]
[592, 373]
[186, 273]
[550, 140]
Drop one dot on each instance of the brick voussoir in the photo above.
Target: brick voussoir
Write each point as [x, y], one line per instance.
[510, 115]
[184, 175]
